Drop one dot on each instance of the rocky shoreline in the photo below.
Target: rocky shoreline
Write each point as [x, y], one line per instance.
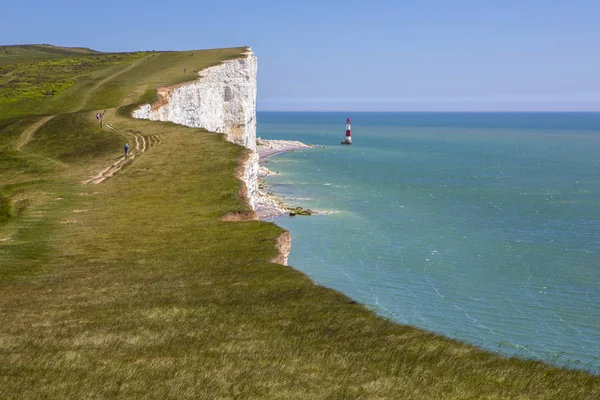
[267, 206]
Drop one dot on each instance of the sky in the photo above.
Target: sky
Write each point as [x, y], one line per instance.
[378, 55]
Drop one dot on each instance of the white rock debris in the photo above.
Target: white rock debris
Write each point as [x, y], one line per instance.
[267, 148]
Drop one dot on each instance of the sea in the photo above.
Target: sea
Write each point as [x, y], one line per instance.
[483, 227]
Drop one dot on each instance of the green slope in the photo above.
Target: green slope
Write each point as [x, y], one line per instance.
[37, 52]
[135, 287]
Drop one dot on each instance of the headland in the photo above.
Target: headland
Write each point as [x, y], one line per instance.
[135, 286]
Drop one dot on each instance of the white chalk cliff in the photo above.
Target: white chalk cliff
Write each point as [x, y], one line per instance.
[223, 100]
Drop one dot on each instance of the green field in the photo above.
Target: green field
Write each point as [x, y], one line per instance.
[135, 287]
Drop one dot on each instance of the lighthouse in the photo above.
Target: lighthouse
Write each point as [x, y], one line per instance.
[348, 134]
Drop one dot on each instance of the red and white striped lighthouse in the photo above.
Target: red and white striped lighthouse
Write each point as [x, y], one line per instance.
[348, 133]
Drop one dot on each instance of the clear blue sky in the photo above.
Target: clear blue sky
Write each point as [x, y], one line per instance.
[379, 55]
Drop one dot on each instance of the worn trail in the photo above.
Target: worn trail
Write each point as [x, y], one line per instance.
[142, 143]
[88, 94]
[28, 133]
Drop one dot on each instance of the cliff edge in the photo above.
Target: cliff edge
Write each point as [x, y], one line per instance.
[222, 100]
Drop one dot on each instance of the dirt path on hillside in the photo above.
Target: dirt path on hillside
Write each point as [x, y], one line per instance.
[28, 133]
[142, 143]
[88, 94]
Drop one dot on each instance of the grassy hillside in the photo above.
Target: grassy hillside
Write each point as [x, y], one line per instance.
[135, 288]
[37, 52]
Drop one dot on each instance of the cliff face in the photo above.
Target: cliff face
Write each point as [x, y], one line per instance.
[284, 245]
[223, 100]
[250, 178]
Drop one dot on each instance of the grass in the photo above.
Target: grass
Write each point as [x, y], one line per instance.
[135, 288]
[86, 140]
[18, 53]
[38, 87]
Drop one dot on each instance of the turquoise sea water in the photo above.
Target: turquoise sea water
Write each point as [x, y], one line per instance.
[484, 227]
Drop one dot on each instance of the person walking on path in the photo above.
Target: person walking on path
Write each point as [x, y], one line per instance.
[126, 148]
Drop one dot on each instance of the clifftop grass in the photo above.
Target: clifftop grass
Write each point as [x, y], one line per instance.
[43, 79]
[30, 53]
[135, 288]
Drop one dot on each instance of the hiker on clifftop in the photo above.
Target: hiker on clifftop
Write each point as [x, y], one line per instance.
[126, 148]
